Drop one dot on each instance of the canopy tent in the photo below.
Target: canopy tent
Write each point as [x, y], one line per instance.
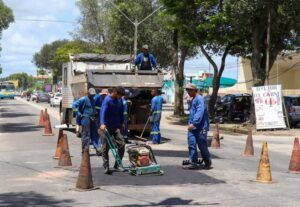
[207, 83]
[224, 82]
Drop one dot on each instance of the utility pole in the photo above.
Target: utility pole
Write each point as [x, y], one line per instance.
[268, 47]
[135, 23]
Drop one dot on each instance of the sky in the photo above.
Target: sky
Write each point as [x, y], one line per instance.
[25, 37]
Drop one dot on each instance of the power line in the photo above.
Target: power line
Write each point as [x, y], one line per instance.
[47, 20]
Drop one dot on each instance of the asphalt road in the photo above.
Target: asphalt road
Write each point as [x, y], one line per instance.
[30, 177]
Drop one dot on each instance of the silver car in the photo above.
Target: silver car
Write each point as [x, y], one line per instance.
[292, 104]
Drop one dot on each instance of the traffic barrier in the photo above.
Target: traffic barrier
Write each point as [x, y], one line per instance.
[58, 145]
[249, 150]
[42, 120]
[65, 158]
[85, 179]
[48, 128]
[215, 143]
[264, 168]
[295, 158]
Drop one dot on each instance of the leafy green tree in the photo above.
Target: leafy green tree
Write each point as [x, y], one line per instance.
[102, 23]
[53, 55]
[93, 22]
[6, 17]
[25, 81]
[203, 23]
[250, 18]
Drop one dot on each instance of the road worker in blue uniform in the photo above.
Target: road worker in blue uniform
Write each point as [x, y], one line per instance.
[156, 108]
[197, 129]
[145, 60]
[85, 109]
[126, 118]
[112, 120]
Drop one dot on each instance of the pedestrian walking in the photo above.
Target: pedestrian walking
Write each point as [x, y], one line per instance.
[197, 129]
[156, 108]
[112, 120]
[85, 111]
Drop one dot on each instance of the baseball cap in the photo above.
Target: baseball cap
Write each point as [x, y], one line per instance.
[104, 92]
[191, 86]
[145, 47]
[92, 91]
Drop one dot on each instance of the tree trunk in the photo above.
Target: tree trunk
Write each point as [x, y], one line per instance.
[178, 68]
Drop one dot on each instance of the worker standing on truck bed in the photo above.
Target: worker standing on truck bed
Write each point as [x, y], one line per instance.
[85, 109]
[125, 108]
[112, 120]
[197, 129]
[156, 108]
[145, 60]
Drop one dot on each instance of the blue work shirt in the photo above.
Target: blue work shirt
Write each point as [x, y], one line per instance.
[98, 102]
[84, 107]
[125, 107]
[112, 113]
[156, 108]
[198, 115]
[140, 57]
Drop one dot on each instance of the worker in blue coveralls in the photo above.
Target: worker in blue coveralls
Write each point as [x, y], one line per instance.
[126, 118]
[197, 129]
[156, 108]
[85, 109]
[112, 120]
[145, 60]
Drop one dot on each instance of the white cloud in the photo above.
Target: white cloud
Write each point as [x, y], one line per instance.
[24, 38]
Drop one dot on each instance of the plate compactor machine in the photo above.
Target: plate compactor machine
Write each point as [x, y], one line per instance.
[141, 157]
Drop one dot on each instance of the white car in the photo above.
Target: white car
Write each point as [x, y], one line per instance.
[55, 101]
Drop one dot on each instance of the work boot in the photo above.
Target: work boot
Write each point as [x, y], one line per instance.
[119, 168]
[207, 164]
[107, 171]
[99, 152]
[193, 166]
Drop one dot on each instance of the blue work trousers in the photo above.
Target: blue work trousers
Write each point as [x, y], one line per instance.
[155, 132]
[86, 135]
[95, 138]
[125, 127]
[197, 137]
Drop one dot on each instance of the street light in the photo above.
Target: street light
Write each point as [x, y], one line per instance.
[135, 23]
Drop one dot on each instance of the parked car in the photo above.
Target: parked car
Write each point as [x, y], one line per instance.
[51, 94]
[34, 96]
[233, 106]
[292, 104]
[43, 97]
[55, 101]
[206, 101]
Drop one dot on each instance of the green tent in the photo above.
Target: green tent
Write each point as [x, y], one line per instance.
[224, 83]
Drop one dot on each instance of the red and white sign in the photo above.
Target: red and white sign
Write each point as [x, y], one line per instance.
[268, 107]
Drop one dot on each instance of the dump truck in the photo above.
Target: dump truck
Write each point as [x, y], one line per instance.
[106, 72]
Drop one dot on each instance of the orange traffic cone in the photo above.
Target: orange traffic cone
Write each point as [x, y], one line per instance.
[42, 120]
[65, 158]
[216, 138]
[295, 158]
[249, 150]
[46, 116]
[85, 179]
[48, 128]
[264, 168]
[58, 145]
